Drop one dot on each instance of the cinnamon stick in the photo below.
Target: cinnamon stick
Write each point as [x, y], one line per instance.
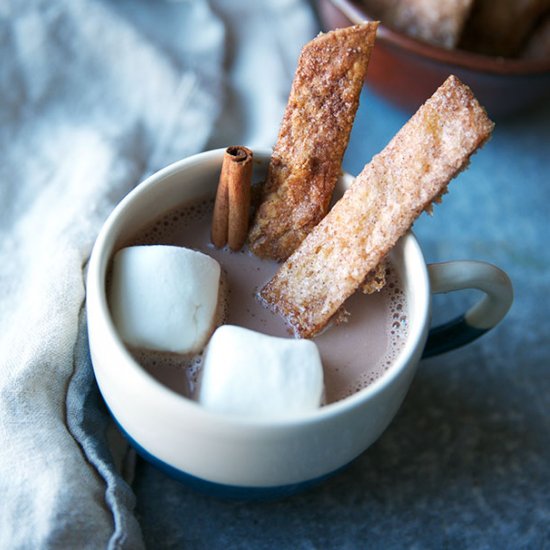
[231, 209]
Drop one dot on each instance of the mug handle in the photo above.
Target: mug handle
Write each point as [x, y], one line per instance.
[480, 318]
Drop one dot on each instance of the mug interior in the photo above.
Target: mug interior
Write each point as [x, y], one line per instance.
[193, 180]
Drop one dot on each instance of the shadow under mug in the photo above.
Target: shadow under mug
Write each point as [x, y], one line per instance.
[252, 458]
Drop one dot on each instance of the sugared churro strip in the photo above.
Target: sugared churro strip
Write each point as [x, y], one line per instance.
[501, 28]
[538, 44]
[435, 21]
[314, 134]
[379, 207]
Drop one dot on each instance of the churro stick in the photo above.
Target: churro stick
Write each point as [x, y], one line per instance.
[538, 44]
[501, 28]
[434, 21]
[379, 207]
[314, 134]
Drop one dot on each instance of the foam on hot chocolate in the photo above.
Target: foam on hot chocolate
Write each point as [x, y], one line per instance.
[353, 354]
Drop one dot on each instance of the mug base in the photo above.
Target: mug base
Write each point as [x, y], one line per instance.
[221, 490]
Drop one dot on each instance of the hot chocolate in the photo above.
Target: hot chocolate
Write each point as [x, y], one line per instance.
[354, 354]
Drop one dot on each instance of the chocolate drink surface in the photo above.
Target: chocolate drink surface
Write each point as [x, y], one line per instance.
[354, 353]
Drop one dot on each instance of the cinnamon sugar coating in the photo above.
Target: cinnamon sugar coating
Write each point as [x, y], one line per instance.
[435, 21]
[538, 45]
[380, 206]
[501, 28]
[314, 134]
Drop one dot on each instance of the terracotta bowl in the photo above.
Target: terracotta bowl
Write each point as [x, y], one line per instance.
[407, 71]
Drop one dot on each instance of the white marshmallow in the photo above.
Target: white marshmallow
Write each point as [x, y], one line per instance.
[164, 297]
[252, 374]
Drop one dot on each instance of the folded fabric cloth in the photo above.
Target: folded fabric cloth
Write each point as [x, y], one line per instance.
[95, 96]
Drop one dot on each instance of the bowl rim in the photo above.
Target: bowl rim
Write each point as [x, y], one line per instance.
[356, 13]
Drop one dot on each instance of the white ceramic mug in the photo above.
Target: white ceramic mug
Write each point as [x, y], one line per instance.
[258, 458]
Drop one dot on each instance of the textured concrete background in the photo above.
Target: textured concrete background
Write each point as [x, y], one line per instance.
[465, 464]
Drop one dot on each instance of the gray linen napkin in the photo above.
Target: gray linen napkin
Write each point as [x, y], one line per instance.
[94, 96]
